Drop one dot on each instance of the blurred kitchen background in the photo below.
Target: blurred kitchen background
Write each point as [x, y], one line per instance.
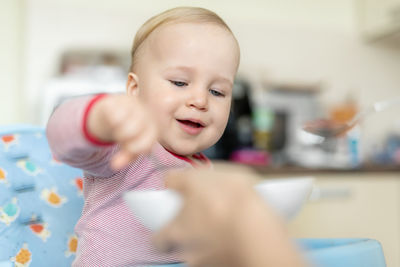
[300, 60]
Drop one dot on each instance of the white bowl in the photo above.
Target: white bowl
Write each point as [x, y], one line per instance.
[155, 208]
[286, 195]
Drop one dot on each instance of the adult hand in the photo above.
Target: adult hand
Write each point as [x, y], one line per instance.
[223, 222]
[123, 119]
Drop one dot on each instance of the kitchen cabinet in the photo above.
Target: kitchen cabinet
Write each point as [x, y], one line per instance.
[359, 205]
[379, 19]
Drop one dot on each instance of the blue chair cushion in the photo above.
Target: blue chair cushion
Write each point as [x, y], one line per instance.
[40, 201]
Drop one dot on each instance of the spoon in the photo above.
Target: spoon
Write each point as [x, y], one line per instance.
[328, 128]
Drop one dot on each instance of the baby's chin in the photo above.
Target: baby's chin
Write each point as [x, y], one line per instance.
[185, 151]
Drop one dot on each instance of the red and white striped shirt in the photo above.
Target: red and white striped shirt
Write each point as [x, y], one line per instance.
[108, 233]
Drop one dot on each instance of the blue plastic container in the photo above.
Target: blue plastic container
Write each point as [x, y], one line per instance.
[355, 252]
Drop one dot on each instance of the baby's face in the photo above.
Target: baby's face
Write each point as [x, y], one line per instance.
[185, 74]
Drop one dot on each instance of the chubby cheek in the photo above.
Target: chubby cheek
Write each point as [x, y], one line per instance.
[158, 100]
[220, 122]
[163, 108]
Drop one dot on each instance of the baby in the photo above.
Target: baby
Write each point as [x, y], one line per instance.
[177, 104]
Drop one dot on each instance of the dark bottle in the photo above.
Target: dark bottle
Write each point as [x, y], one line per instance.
[239, 132]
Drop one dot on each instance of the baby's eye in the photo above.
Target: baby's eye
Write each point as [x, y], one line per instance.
[178, 83]
[216, 93]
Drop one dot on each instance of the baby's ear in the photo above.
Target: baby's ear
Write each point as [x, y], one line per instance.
[132, 84]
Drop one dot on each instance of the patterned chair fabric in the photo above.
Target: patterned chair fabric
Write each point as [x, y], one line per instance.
[40, 201]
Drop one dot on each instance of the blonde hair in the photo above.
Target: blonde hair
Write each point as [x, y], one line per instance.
[174, 15]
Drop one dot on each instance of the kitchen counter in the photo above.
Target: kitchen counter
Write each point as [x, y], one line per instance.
[290, 169]
[293, 169]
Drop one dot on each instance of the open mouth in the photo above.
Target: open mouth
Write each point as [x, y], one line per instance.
[192, 124]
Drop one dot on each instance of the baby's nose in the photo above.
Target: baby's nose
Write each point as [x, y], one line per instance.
[198, 99]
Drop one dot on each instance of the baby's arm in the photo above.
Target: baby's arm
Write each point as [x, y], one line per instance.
[81, 130]
[68, 142]
[125, 120]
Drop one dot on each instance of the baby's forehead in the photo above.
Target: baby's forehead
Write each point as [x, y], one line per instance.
[187, 31]
[176, 26]
[175, 38]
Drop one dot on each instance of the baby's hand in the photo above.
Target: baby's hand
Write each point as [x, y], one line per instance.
[123, 119]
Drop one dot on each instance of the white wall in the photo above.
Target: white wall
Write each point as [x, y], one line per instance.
[304, 40]
[10, 62]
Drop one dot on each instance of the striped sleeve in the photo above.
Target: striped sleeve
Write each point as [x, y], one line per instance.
[69, 143]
